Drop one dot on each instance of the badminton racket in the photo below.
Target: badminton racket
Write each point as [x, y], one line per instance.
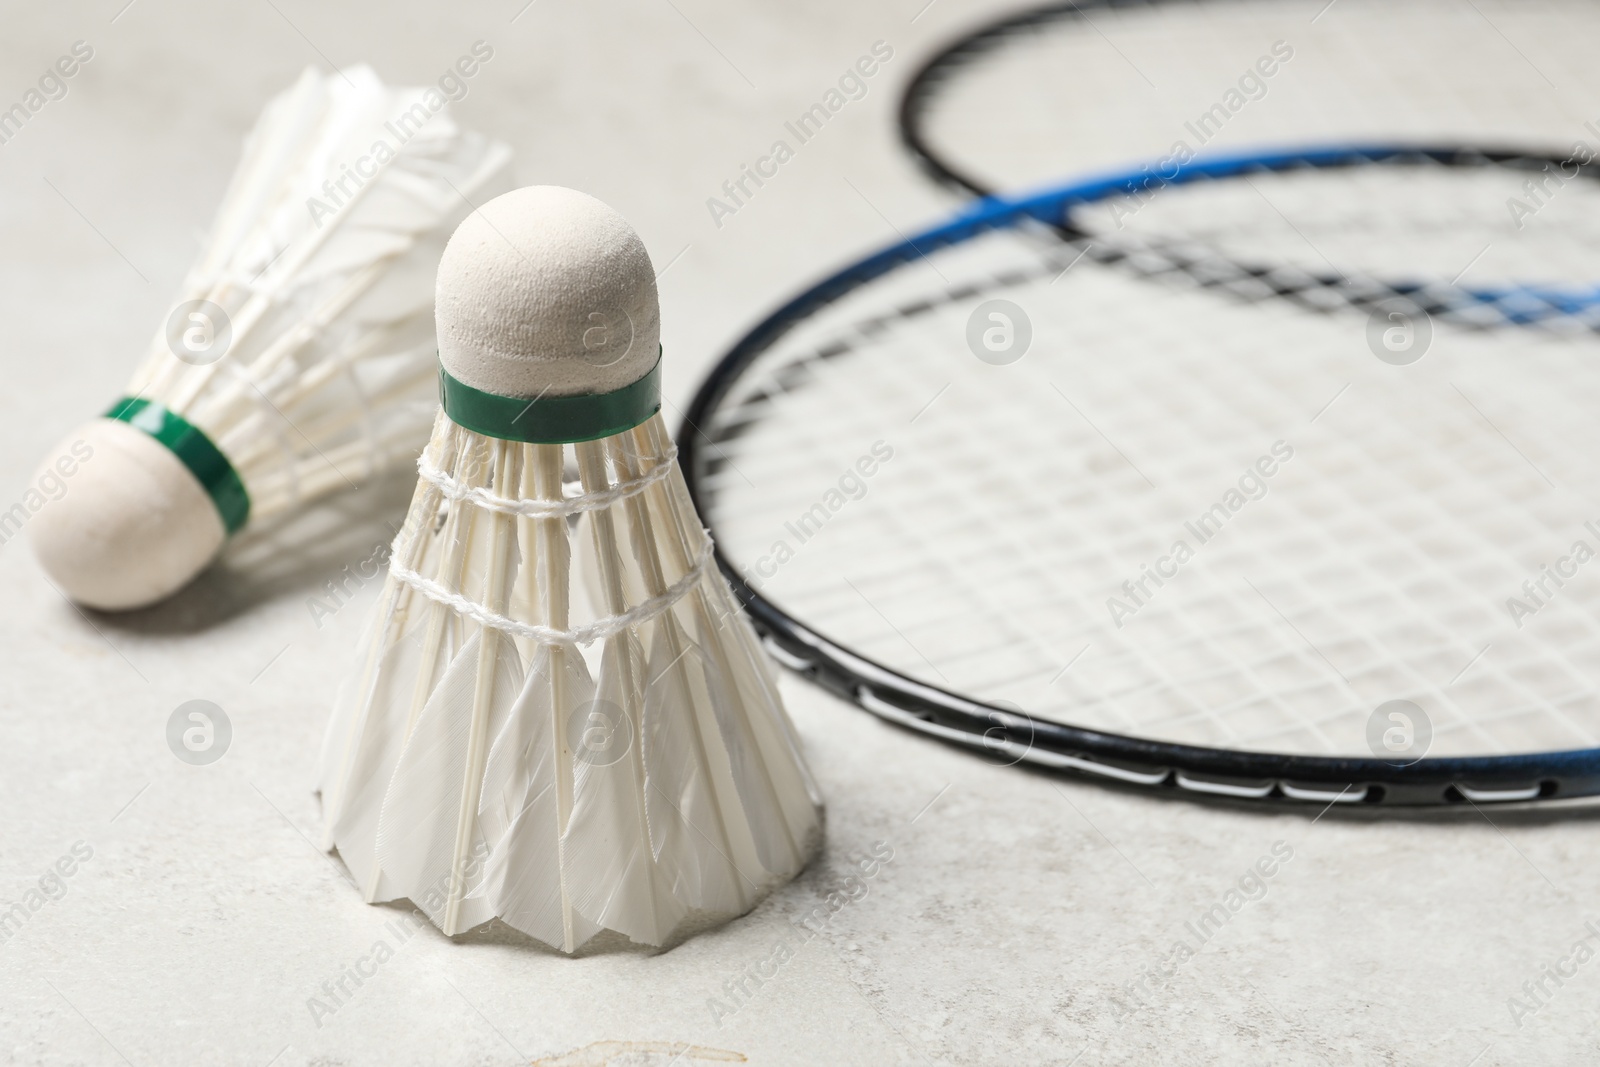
[1193, 78]
[1003, 494]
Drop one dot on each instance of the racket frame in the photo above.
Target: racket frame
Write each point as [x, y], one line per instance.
[1007, 736]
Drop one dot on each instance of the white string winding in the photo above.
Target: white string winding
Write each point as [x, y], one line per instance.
[546, 509]
[545, 635]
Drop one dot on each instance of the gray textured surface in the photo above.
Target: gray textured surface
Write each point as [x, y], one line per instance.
[1016, 910]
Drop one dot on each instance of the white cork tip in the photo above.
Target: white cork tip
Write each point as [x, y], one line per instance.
[546, 291]
[131, 525]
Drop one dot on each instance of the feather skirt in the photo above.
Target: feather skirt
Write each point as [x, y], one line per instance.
[567, 756]
[316, 283]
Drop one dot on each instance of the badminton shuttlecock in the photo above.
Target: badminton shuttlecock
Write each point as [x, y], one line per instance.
[567, 756]
[300, 356]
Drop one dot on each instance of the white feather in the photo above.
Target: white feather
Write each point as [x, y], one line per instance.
[417, 837]
[368, 737]
[321, 257]
[774, 781]
[688, 827]
[612, 872]
[670, 786]
[521, 813]
[775, 845]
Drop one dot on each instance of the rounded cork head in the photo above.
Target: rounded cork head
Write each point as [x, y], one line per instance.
[131, 525]
[546, 291]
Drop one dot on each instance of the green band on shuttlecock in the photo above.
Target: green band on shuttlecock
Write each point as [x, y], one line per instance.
[195, 451]
[551, 420]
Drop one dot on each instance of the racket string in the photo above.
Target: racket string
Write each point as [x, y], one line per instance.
[895, 527]
[1024, 636]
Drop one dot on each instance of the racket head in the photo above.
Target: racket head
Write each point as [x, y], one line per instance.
[1179, 87]
[1079, 85]
[1154, 406]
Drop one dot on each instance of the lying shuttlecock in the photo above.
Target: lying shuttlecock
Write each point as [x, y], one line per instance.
[300, 357]
[473, 766]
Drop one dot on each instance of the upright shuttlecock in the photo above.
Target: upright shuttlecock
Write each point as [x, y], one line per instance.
[300, 357]
[570, 757]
